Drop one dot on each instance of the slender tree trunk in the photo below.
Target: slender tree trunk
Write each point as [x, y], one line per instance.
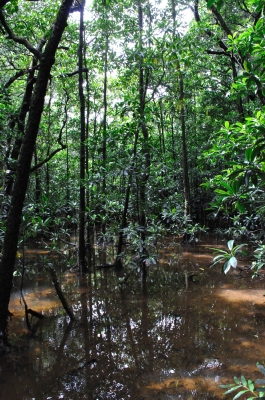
[66, 144]
[104, 139]
[174, 156]
[20, 122]
[146, 151]
[89, 228]
[82, 192]
[162, 136]
[127, 197]
[186, 183]
[37, 180]
[21, 182]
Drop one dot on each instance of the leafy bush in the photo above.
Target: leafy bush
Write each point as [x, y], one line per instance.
[228, 257]
[247, 386]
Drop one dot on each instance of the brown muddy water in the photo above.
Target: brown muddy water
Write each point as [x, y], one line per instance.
[178, 334]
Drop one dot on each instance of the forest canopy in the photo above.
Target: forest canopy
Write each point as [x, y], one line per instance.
[128, 114]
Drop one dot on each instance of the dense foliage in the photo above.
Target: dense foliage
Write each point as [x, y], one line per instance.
[173, 116]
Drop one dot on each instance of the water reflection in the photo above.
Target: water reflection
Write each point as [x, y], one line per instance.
[175, 333]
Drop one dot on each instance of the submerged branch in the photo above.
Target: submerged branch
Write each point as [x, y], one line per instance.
[60, 294]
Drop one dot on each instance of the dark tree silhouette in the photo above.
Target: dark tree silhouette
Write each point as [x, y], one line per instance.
[47, 58]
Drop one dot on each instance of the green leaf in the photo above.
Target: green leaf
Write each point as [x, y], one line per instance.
[227, 124]
[219, 4]
[219, 258]
[233, 262]
[220, 191]
[233, 389]
[234, 174]
[240, 206]
[251, 385]
[210, 3]
[239, 394]
[261, 368]
[257, 150]
[229, 385]
[247, 66]
[239, 246]
[230, 244]
[243, 380]
[227, 186]
[226, 267]
[248, 154]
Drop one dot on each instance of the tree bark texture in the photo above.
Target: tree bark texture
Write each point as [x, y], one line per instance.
[24, 163]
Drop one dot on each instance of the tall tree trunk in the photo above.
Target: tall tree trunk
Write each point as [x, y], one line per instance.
[104, 139]
[19, 121]
[145, 150]
[162, 133]
[27, 149]
[186, 183]
[127, 198]
[82, 192]
[37, 180]
[89, 227]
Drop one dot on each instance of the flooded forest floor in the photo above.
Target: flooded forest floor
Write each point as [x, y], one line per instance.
[177, 333]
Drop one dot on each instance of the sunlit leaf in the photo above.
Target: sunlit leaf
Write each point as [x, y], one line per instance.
[240, 394]
[251, 385]
[230, 244]
[233, 389]
[226, 267]
[243, 380]
[233, 263]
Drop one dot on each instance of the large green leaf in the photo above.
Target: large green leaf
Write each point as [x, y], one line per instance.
[230, 244]
[226, 267]
[240, 394]
[233, 262]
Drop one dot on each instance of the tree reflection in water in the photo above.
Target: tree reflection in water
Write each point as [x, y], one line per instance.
[176, 332]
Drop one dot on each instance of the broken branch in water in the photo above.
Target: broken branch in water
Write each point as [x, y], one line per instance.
[60, 294]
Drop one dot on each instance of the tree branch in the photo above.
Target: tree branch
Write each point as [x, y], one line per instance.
[33, 169]
[18, 75]
[17, 39]
[59, 140]
[221, 21]
[74, 72]
[222, 53]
